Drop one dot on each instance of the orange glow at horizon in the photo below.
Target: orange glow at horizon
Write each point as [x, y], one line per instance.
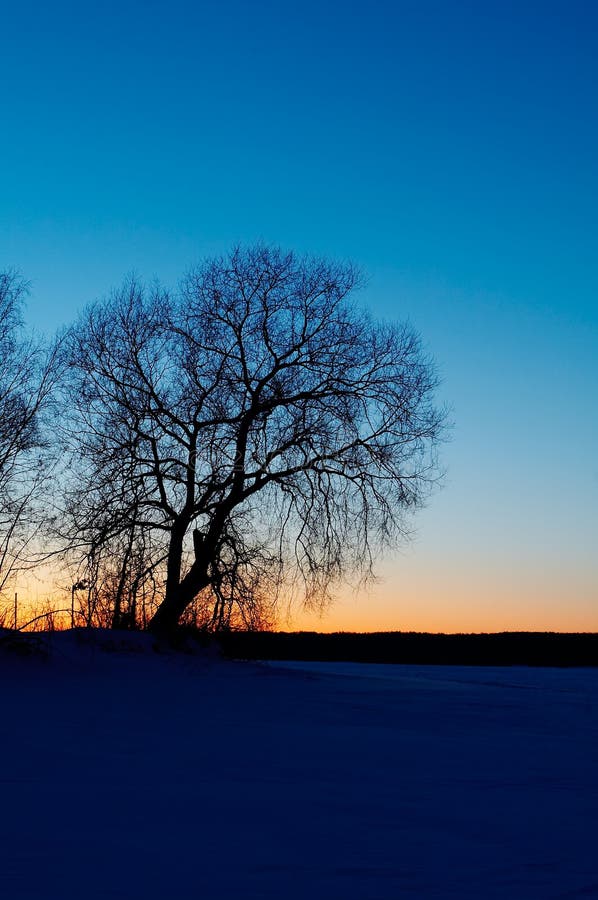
[453, 602]
[408, 597]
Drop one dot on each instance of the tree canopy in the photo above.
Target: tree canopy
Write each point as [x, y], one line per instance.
[253, 431]
[27, 378]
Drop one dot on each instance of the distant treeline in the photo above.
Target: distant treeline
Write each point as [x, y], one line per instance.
[503, 649]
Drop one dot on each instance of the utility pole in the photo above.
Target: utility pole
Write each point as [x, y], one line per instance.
[16, 609]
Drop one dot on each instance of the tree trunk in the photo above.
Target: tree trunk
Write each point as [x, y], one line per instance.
[180, 592]
[166, 618]
[117, 611]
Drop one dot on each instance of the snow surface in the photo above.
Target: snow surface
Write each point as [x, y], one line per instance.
[131, 774]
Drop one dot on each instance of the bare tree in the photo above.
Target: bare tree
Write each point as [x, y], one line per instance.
[257, 427]
[27, 377]
[116, 566]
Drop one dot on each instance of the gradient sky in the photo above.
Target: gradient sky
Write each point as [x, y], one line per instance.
[449, 148]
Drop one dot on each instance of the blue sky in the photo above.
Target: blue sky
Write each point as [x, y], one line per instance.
[449, 148]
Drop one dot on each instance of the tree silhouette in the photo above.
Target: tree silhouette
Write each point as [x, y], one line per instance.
[27, 377]
[255, 429]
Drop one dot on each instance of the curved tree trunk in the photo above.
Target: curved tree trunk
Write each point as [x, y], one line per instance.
[180, 592]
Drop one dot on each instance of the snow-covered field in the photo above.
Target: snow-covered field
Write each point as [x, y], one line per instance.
[141, 775]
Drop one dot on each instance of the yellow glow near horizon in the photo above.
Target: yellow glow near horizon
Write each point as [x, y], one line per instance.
[410, 597]
[460, 602]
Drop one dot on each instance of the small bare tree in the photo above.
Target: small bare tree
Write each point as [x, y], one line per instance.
[27, 377]
[257, 425]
